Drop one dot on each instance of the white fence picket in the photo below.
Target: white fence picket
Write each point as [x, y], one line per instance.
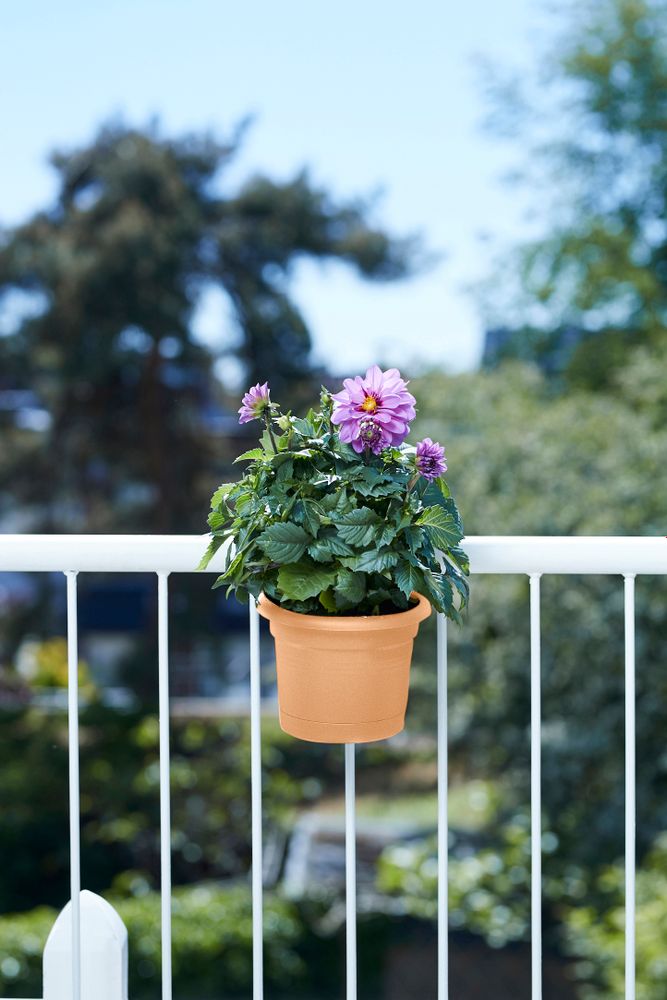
[103, 952]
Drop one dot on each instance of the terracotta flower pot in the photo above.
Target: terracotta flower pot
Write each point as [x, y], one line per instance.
[343, 679]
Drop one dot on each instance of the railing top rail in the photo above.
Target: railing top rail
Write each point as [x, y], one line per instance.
[181, 553]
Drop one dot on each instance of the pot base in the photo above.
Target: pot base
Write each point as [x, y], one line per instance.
[341, 732]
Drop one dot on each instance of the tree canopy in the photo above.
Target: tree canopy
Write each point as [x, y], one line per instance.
[524, 462]
[595, 121]
[102, 286]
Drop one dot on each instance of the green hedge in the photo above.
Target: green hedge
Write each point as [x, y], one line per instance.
[596, 933]
[212, 944]
[210, 789]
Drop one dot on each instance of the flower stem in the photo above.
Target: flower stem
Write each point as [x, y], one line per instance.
[267, 419]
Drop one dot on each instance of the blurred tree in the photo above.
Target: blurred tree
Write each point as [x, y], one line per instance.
[595, 285]
[99, 292]
[523, 460]
[526, 463]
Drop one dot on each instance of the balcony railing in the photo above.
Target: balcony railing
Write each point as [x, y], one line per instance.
[166, 554]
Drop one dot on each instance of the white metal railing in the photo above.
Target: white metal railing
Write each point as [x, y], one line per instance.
[535, 787]
[165, 554]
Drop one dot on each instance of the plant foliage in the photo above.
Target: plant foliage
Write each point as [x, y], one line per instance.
[327, 531]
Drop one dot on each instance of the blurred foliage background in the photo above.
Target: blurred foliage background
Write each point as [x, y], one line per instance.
[113, 419]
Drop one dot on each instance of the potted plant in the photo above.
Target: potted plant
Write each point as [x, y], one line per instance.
[345, 535]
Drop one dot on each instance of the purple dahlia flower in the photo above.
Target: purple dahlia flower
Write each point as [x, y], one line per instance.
[374, 412]
[254, 404]
[430, 459]
[372, 436]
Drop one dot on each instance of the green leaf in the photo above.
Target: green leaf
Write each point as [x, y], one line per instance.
[442, 527]
[250, 456]
[414, 537]
[388, 534]
[279, 458]
[320, 551]
[445, 585]
[328, 601]
[217, 518]
[436, 491]
[358, 527]
[221, 493]
[437, 587]
[303, 426]
[242, 500]
[299, 581]
[335, 502]
[211, 550]
[285, 471]
[267, 443]
[325, 548]
[407, 578]
[381, 490]
[344, 450]
[370, 482]
[439, 596]
[306, 512]
[460, 559]
[350, 588]
[379, 596]
[284, 542]
[231, 571]
[338, 546]
[372, 561]
[460, 583]
[433, 496]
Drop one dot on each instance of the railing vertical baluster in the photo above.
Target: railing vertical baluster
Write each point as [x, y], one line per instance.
[443, 824]
[535, 788]
[256, 802]
[350, 875]
[165, 792]
[74, 797]
[630, 795]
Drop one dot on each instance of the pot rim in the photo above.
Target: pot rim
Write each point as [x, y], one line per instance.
[336, 623]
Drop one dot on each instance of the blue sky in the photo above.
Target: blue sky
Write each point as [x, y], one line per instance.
[370, 95]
